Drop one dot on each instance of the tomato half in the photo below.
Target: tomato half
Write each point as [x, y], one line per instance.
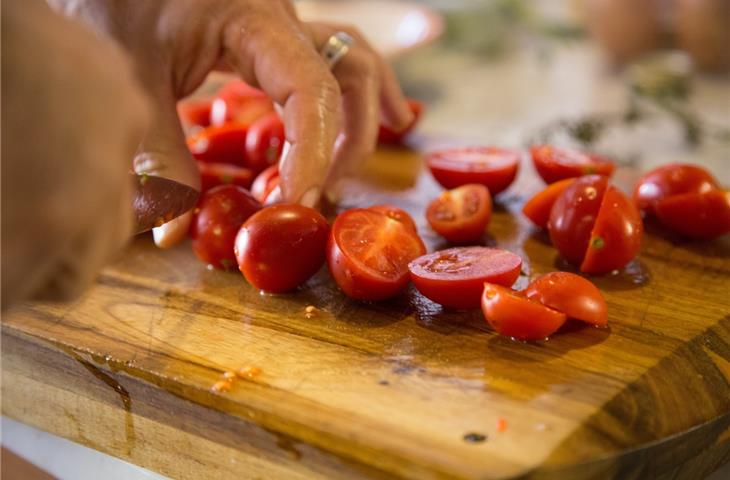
[216, 220]
[194, 113]
[281, 247]
[570, 294]
[461, 215]
[214, 174]
[455, 277]
[538, 208]
[368, 254]
[396, 214]
[239, 102]
[553, 163]
[265, 182]
[222, 144]
[513, 315]
[669, 180]
[265, 141]
[696, 215]
[495, 168]
[389, 136]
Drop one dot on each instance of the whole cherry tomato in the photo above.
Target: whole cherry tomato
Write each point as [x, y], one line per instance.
[495, 168]
[696, 215]
[265, 141]
[670, 180]
[281, 247]
[455, 277]
[238, 102]
[570, 294]
[265, 183]
[461, 215]
[219, 215]
[538, 208]
[194, 113]
[214, 174]
[396, 214]
[368, 254]
[553, 163]
[388, 136]
[222, 144]
[513, 315]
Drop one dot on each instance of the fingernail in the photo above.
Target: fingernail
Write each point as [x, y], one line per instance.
[311, 197]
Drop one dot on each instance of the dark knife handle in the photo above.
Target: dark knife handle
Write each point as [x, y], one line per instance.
[157, 200]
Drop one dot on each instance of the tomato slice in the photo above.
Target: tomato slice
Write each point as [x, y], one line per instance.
[239, 102]
[195, 113]
[265, 141]
[538, 208]
[616, 235]
[455, 277]
[265, 182]
[516, 316]
[696, 215]
[669, 180]
[553, 163]
[570, 294]
[389, 136]
[368, 254]
[222, 144]
[461, 215]
[214, 174]
[396, 214]
[495, 168]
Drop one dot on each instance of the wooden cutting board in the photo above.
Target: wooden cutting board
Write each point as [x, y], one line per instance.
[395, 389]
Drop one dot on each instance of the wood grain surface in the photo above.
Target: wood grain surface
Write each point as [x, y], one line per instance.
[400, 388]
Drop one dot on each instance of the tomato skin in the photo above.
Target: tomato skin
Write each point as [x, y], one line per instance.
[265, 141]
[195, 113]
[495, 168]
[215, 174]
[538, 208]
[396, 214]
[239, 102]
[265, 182]
[616, 235]
[216, 220]
[570, 294]
[222, 144]
[553, 163]
[514, 315]
[696, 215]
[574, 214]
[281, 247]
[388, 136]
[669, 180]
[461, 215]
[455, 277]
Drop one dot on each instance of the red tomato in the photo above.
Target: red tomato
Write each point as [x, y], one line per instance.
[219, 215]
[495, 168]
[195, 113]
[265, 141]
[553, 163]
[538, 208]
[214, 174]
[461, 215]
[455, 277]
[696, 215]
[238, 102]
[570, 294]
[223, 144]
[669, 180]
[281, 247]
[386, 135]
[368, 254]
[396, 214]
[265, 182]
[513, 315]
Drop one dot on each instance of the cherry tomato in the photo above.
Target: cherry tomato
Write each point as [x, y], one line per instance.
[495, 168]
[219, 215]
[368, 254]
[214, 174]
[396, 214]
[455, 277]
[386, 135]
[238, 102]
[669, 180]
[265, 141]
[696, 215]
[538, 208]
[265, 183]
[461, 215]
[513, 315]
[194, 113]
[570, 294]
[553, 163]
[223, 144]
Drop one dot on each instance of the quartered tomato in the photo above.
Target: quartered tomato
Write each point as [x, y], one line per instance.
[223, 144]
[513, 315]
[538, 208]
[461, 215]
[670, 180]
[216, 220]
[386, 135]
[495, 168]
[553, 163]
[265, 141]
[696, 215]
[265, 183]
[238, 102]
[214, 174]
[396, 214]
[195, 113]
[455, 277]
[570, 294]
[368, 254]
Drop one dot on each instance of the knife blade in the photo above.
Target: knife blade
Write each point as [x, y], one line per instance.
[157, 200]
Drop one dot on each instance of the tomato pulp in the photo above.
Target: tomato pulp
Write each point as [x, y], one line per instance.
[495, 168]
[538, 208]
[553, 163]
[396, 214]
[461, 215]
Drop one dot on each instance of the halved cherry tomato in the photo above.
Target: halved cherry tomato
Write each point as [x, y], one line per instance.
[216, 220]
[195, 113]
[265, 183]
[239, 102]
[696, 215]
[669, 180]
[368, 254]
[513, 315]
[455, 277]
[538, 208]
[214, 174]
[281, 247]
[570, 294]
[396, 214]
[386, 135]
[495, 168]
[553, 163]
[223, 144]
[461, 215]
[265, 141]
